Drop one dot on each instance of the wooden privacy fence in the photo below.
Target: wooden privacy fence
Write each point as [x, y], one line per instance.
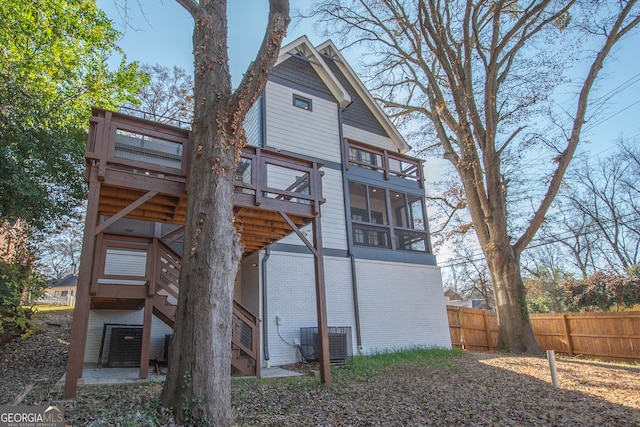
[613, 336]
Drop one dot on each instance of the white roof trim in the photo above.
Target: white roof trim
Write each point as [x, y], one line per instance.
[364, 93]
[302, 44]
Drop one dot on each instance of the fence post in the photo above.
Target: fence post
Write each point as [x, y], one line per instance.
[552, 367]
[567, 333]
[460, 317]
[487, 330]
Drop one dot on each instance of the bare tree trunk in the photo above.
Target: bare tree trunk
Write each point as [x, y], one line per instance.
[198, 379]
[514, 328]
[198, 384]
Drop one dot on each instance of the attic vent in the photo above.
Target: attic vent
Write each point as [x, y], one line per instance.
[340, 347]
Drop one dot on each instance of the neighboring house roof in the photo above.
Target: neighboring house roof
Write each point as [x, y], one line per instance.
[340, 79]
[66, 282]
[452, 294]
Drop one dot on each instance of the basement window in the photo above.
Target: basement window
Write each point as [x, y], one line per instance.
[302, 102]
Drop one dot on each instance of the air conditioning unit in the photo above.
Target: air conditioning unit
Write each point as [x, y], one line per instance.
[125, 347]
[340, 347]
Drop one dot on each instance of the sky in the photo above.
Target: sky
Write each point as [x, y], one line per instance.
[160, 31]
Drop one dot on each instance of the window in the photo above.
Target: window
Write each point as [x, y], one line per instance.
[365, 159]
[302, 102]
[387, 219]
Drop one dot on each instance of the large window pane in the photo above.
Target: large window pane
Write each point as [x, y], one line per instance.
[371, 225]
[410, 240]
[417, 212]
[399, 209]
[377, 206]
[358, 196]
[371, 236]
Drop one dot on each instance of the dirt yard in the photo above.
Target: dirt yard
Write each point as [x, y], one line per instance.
[484, 389]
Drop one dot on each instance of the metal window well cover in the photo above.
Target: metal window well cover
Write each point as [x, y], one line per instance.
[340, 344]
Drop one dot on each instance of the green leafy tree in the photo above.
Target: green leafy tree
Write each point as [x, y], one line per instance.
[544, 293]
[19, 288]
[19, 283]
[602, 291]
[53, 68]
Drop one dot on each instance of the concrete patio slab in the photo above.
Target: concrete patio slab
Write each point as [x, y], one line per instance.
[94, 375]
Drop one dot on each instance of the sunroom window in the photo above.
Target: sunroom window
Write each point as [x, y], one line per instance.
[386, 218]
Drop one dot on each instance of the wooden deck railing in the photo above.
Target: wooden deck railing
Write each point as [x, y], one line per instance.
[384, 161]
[121, 144]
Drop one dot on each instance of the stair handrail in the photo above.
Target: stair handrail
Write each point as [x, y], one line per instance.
[172, 259]
[240, 313]
[252, 321]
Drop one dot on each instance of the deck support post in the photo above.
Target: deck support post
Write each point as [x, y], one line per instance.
[321, 299]
[146, 338]
[80, 323]
[321, 302]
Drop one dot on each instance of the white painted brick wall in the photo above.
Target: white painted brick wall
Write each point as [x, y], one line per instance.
[292, 296]
[97, 318]
[401, 305]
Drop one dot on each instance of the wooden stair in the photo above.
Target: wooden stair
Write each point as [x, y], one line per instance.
[244, 341]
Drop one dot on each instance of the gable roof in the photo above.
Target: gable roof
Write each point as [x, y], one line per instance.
[69, 280]
[329, 49]
[302, 47]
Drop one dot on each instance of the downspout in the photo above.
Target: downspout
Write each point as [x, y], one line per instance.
[267, 252]
[347, 215]
[265, 317]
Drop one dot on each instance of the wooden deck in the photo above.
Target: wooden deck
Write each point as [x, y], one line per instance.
[142, 167]
[137, 175]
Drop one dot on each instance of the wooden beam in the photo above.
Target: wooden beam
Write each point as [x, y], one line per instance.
[80, 323]
[122, 291]
[301, 235]
[321, 305]
[144, 183]
[146, 338]
[142, 200]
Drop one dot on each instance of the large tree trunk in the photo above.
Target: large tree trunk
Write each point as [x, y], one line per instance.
[514, 328]
[198, 379]
[198, 384]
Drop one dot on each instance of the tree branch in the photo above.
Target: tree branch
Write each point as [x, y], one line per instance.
[572, 143]
[190, 5]
[255, 77]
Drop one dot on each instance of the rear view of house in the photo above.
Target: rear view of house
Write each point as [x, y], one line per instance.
[325, 199]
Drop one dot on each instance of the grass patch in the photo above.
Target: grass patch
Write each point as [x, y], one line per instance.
[48, 308]
[362, 366]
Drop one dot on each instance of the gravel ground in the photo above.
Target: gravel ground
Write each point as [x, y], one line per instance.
[483, 389]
